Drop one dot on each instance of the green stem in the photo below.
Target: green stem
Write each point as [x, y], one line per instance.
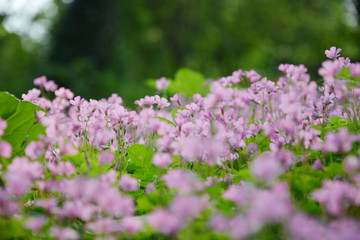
[263, 112]
[347, 112]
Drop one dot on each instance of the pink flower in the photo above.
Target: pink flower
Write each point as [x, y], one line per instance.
[3, 126]
[150, 188]
[198, 99]
[5, 149]
[176, 98]
[339, 141]
[221, 93]
[344, 61]
[43, 82]
[164, 221]
[303, 227]
[190, 147]
[271, 206]
[351, 164]
[115, 99]
[40, 81]
[77, 208]
[287, 125]
[252, 76]
[236, 76]
[64, 233]
[50, 86]
[109, 177]
[103, 226]
[252, 148]
[330, 68]
[106, 158]
[35, 223]
[335, 196]
[344, 228]
[64, 93]
[17, 184]
[35, 149]
[49, 204]
[241, 195]
[22, 166]
[266, 167]
[128, 183]
[219, 223]
[211, 181]
[77, 101]
[32, 95]
[161, 101]
[62, 168]
[147, 100]
[185, 182]
[240, 227]
[162, 84]
[28, 203]
[317, 165]
[162, 160]
[188, 207]
[355, 69]
[333, 52]
[192, 108]
[340, 89]
[132, 225]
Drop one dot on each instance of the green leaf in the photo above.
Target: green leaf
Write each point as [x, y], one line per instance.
[174, 112]
[310, 206]
[144, 205]
[263, 142]
[334, 169]
[317, 127]
[337, 120]
[303, 180]
[165, 120]
[187, 82]
[22, 126]
[344, 73]
[151, 83]
[12, 228]
[8, 104]
[140, 155]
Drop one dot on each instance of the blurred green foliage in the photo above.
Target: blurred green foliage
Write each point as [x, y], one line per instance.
[16, 64]
[101, 47]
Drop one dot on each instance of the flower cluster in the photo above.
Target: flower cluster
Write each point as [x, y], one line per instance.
[249, 158]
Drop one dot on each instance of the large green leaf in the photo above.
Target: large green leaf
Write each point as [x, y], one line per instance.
[20, 116]
[140, 155]
[8, 105]
[187, 82]
[344, 73]
[139, 164]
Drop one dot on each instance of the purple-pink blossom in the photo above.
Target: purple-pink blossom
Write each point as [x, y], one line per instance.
[5, 149]
[128, 183]
[162, 159]
[355, 69]
[164, 221]
[333, 52]
[266, 168]
[335, 196]
[3, 126]
[162, 83]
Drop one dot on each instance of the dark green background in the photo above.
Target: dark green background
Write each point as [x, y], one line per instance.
[98, 47]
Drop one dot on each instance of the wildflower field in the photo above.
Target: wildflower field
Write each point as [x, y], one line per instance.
[242, 157]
